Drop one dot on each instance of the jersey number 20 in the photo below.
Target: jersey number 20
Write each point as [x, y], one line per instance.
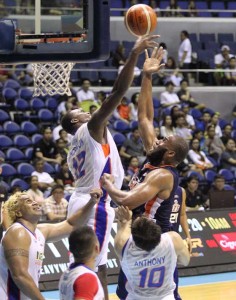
[147, 277]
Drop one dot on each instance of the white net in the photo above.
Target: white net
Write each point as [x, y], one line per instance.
[52, 78]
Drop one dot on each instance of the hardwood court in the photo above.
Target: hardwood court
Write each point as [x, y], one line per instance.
[211, 291]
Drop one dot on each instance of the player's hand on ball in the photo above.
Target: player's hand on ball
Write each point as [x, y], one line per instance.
[123, 214]
[153, 64]
[96, 194]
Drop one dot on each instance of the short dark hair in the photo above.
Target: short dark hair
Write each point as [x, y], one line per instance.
[57, 186]
[192, 177]
[81, 243]
[146, 233]
[218, 176]
[185, 33]
[66, 123]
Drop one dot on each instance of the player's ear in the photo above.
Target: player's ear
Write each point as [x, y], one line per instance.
[74, 120]
[171, 153]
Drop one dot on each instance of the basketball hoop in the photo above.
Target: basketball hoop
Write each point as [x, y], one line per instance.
[52, 78]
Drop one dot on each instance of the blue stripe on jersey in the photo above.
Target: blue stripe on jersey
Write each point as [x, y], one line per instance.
[101, 213]
[12, 289]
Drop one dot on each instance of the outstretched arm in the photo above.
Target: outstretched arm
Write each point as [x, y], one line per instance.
[99, 119]
[145, 103]
[184, 221]
[124, 218]
[55, 232]
[155, 183]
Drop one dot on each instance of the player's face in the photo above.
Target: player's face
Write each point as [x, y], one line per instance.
[29, 207]
[79, 116]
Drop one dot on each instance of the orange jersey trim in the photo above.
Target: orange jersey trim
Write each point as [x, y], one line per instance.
[106, 149]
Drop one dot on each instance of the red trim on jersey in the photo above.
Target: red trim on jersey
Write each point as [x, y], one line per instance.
[149, 205]
[86, 286]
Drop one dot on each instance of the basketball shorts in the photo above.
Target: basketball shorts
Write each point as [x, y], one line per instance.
[100, 219]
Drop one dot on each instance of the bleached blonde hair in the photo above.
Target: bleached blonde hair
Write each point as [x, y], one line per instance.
[12, 205]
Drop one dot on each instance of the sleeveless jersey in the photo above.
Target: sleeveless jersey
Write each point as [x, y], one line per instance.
[87, 161]
[150, 274]
[68, 279]
[156, 208]
[8, 289]
[176, 209]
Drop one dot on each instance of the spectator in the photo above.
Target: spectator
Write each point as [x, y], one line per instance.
[185, 52]
[133, 147]
[118, 57]
[222, 62]
[169, 98]
[199, 135]
[122, 111]
[65, 178]
[85, 95]
[186, 97]
[226, 134]
[167, 127]
[230, 72]
[189, 119]
[15, 189]
[154, 6]
[64, 136]
[218, 184]
[198, 157]
[170, 72]
[55, 207]
[192, 9]
[133, 107]
[206, 119]
[195, 199]
[101, 97]
[213, 143]
[45, 181]
[92, 108]
[46, 149]
[131, 170]
[228, 158]
[173, 10]
[182, 128]
[215, 122]
[61, 148]
[66, 104]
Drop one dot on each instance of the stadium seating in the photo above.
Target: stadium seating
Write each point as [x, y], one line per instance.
[11, 128]
[21, 141]
[15, 155]
[28, 127]
[21, 183]
[6, 142]
[21, 104]
[4, 116]
[25, 170]
[228, 175]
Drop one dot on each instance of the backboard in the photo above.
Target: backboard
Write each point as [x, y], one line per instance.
[55, 31]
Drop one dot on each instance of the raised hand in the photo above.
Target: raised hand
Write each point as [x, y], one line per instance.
[145, 42]
[123, 214]
[153, 64]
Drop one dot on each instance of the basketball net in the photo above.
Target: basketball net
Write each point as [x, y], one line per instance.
[52, 78]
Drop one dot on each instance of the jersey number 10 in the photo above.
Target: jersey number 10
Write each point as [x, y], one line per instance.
[147, 277]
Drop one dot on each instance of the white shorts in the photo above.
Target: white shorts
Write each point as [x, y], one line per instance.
[100, 219]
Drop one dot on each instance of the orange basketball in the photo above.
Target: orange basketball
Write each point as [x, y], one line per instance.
[140, 19]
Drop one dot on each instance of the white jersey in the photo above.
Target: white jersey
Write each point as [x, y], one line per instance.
[8, 289]
[87, 161]
[150, 274]
[68, 278]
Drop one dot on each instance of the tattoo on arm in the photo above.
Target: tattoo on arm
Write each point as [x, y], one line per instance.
[16, 252]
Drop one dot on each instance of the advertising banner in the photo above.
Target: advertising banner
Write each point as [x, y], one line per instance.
[213, 241]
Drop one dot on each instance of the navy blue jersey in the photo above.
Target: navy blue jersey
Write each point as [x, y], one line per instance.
[176, 209]
[156, 208]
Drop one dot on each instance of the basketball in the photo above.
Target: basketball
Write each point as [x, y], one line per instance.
[140, 20]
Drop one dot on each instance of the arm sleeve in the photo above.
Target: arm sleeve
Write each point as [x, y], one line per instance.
[86, 286]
